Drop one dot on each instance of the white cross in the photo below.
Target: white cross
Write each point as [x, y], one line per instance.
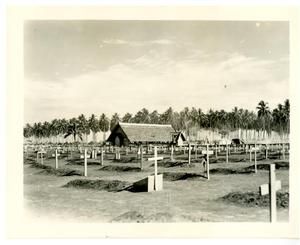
[255, 149]
[56, 158]
[41, 152]
[155, 159]
[273, 186]
[207, 152]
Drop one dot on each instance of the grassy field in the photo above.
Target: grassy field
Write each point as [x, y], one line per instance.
[191, 199]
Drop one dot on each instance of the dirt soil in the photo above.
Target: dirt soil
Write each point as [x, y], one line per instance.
[187, 195]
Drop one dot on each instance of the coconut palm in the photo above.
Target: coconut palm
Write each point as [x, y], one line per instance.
[104, 125]
[74, 129]
[94, 126]
[264, 115]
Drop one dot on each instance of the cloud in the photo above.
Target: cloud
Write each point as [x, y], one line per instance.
[136, 43]
[156, 80]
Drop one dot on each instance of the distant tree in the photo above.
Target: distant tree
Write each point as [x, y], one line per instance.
[94, 126]
[154, 117]
[114, 120]
[142, 116]
[264, 115]
[104, 125]
[127, 118]
[74, 129]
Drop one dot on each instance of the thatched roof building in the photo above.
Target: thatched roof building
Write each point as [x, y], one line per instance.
[124, 134]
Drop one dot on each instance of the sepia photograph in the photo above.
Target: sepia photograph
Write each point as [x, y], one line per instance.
[156, 121]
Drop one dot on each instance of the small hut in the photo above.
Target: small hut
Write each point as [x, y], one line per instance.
[124, 134]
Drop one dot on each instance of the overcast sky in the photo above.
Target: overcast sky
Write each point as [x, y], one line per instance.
[74, 67]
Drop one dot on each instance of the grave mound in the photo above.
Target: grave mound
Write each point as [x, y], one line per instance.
[136, 217]
[101, 185]
[81, 162]
[254, 199]
[120, 168]
[226, 171]
[278, 165]
[173, 176]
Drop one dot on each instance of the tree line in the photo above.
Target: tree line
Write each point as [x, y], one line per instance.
[264, 119]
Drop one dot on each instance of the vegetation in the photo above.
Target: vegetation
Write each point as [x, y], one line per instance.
[264, 119]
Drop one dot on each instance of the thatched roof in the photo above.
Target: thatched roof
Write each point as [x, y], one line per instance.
[143, 133]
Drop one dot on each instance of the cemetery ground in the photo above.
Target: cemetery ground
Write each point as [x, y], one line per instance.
[231, 194]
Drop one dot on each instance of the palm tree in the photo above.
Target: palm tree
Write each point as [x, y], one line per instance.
[264, 115]
[114, 120]
[104, 125]
[127, 118]
[74, 129]
[94, 126]
[83, 126]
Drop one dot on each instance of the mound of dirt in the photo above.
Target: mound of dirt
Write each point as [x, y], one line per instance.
[278, 165]
[52, 171]
[125, 159]
[81, 162]
[170, 164]
[254, 199]
[173, 176]
[231, 171]
[61, 172]
[120, 168]
[136, 217]
[101, 185]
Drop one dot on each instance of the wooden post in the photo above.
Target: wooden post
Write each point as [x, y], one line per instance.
[271, 188]
[42, 162]
[138, 152]
[141, 148]
[255, 163]
[172, 153]
[155, 168]
[216, 148]
[207, 164]
[56, 159]
[196, 156]
[189, 157]
[226, 153]
[250, 152]
[266, 151]
[85, 162]
[101, 157]
[283, 151]
[272, 193]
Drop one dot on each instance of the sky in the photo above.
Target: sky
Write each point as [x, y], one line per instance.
[85, 67]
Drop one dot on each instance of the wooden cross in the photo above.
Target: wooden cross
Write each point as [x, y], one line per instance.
[155, 159]
[56, 158]
[85, 157]
[172, 153]
[189, 154]
[207, 152]
[226, 153]
[255, 161]
[271, 188]
[41, 152]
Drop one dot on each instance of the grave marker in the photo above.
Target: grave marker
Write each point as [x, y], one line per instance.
[56, 158]
[207, 153]
[226, 153]
[255, 160]
[189, 155]
[41, 152]
[85, 162]
[172, 153]
[271, 188]
[157, 185]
